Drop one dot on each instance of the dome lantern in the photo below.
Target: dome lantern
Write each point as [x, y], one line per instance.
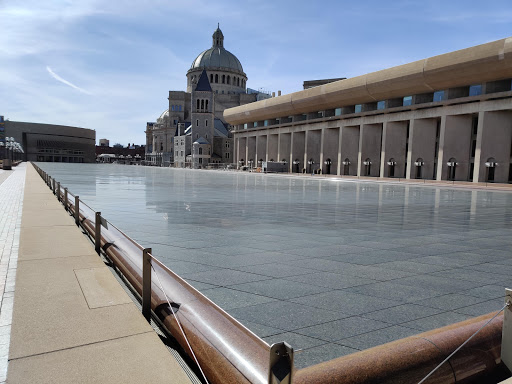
[218, 38]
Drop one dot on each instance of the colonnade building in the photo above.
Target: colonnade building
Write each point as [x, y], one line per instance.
[448, 117]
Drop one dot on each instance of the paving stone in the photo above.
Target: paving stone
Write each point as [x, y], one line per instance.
[378, 337]
[342, 329]
[279, 288]
[346, 302]
[285, 315]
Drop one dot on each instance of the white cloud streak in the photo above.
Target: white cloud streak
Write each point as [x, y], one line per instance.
[64, 81]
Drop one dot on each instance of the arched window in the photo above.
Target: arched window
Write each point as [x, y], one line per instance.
[211, 78]
[197, 105]
[229, 79]
[200, 151]
[206, 106]
[172, 107]
[197, 123]
[202, 105]
[223, 79]
[206, 123]
[237, 81]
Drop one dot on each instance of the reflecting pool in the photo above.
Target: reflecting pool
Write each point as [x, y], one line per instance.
[331, 266]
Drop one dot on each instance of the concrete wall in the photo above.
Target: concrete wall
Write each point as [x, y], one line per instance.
[455, 142]
[495, 142]
[285, 145]
[350, 149]
[272, 147]
[422, 144]
[330, 150]
[370, 148]
[394, 143]
[298, 149]
[313, 147]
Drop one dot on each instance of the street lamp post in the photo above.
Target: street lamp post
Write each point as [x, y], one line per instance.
[7, 162]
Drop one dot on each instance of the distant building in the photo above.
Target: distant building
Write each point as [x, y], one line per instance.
[223, 85]
[104, 143]
[133, 154]
[315, 83]
[53, 143]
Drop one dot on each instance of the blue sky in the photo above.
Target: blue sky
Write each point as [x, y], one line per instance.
[108, 65]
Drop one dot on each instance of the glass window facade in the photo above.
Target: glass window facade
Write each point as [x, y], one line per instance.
[358, 108]
[381, 104]
[438, 96]
[407, 101]
[475, 90]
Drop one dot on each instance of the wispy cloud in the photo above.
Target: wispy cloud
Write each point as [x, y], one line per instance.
[64, 81]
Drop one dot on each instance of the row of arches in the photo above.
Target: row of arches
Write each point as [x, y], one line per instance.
[202, 105]
[236, 81]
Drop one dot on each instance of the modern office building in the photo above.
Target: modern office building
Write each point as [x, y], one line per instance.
[226, 88]
[53, 143]
[448, 117]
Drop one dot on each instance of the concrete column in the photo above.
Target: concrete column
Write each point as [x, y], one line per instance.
[422, 145]
[322, 135]
[440, 150]
[339, 169]
[383, 158]
[349, 149]
[370, 148]
[494, 138]
[457, 145]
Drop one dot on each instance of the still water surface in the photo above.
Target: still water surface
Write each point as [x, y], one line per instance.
[331, 266]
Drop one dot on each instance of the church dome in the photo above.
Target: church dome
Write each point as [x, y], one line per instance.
[217, 56]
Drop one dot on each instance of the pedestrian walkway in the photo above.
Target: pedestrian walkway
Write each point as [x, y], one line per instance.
[72, 321]
[11, 203]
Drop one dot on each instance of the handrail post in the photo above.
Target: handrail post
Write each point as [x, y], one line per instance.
[49, 181]
[66, 198]
[146, 284]
[506, 339]
[281, 364]
[58, 191]
[53, 186]
[77, 211]
[97, 233]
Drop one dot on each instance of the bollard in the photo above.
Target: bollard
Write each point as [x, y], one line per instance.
[66, 199]
[77, 211]
[58, 191]
[281, 364]
[146, 284]
[97, 232]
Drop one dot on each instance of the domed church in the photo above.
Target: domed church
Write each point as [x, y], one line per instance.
[192, 131]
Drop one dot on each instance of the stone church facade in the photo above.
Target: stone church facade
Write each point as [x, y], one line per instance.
[192, 132]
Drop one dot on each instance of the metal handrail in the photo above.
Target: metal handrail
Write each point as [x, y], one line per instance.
[225, 349]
